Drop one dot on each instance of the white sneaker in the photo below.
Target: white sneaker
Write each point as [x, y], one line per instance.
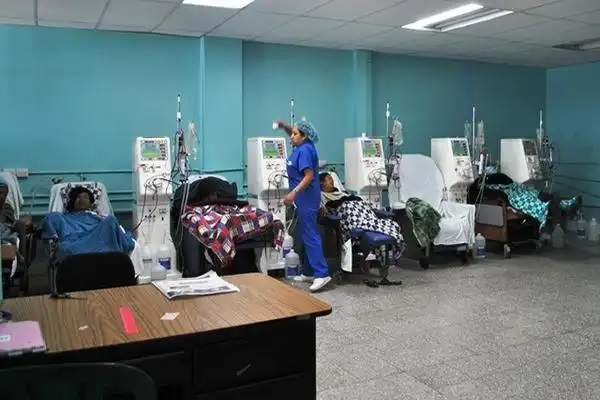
[303, 278]
[319, 283]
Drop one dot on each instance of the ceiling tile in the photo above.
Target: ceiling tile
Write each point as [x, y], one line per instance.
[350, 10]
[17, 21]
[71, 10]
[122, 28]
[135, 13]
[408, 11]
[502, 24]
[16, 9]
[352, 32]
[590, 17]
[566, 8]
[177, 32]
[392, 38]
[68, 24]
[303, 28]
[292, 7]
[515, 4]
[196, 19]
[250, 24]
[551, 33]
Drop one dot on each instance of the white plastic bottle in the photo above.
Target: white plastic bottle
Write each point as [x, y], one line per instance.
[148, 262]
[479, 246]
[288, 244]
[292, 264]
[159, 273]
[592, 232]
[581, 227]
[558, 237]
[164, 257]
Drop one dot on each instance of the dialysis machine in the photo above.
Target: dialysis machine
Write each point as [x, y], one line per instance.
[268, 185]
[520, 161]
[365, 168]
[452, 157]
[152, 193]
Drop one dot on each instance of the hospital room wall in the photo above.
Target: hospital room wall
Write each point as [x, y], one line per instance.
[72, 101]
[574, 125]
[434, 98]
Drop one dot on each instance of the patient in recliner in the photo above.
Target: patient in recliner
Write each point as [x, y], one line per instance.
[356, 214]
[82, 230]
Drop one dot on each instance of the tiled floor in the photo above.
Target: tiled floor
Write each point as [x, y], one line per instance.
[524, 328]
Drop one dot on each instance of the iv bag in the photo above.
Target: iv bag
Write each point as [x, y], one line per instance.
[192, 140]
[398, 132]
[480, 135]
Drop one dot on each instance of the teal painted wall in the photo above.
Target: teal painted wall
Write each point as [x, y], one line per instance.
[574, 125]
[434, 98]
[74, 100]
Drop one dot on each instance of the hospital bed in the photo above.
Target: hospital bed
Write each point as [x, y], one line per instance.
[58, 200]
[497, 221]
[17, 271]
[193, 258]
[359, 247]
[419, 177]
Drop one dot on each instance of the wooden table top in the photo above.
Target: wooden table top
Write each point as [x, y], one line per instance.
[94, 321]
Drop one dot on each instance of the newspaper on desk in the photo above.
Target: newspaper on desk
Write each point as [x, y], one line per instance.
[204, 285]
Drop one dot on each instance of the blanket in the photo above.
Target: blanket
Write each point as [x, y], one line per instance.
[8, 235]
[85, 232]
[425, 221]
[526, 200]
[359, 215]
[220, 226]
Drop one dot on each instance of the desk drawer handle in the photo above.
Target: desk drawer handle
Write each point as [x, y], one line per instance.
[243, 370]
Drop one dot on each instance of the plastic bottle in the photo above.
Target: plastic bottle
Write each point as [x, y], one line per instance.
[292, 263]
[581, 225]
[159, 273]
[558, 237]
[479, 246]
[148, 262]
[593, 234]
[288, 244]
[164, 257]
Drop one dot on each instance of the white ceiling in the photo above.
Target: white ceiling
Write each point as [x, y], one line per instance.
[523, 38]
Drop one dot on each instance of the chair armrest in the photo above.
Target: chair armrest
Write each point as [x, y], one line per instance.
[384, 214]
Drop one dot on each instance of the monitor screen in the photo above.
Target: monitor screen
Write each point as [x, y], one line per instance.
[150, 150]
[270, 149]
[369, 149]
[459, 148]
[529, 148]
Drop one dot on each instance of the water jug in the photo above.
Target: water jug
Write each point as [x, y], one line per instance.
[479, 246]
[288, 244]
[581, 227]
[292, 264]
[558, 237]
[593, 234]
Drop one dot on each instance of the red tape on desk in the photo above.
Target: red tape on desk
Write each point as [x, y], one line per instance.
[128, 320]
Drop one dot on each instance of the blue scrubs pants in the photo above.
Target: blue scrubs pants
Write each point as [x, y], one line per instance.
[311, 238]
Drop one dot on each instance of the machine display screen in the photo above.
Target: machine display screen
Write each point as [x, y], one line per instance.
[369, 149]
[459, 148]
[271, 149]
[529, 148]
[152, 150]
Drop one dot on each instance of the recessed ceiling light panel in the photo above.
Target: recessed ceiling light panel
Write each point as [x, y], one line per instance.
[234, 4]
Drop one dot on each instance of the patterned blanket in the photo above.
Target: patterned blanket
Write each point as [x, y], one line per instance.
[359, 215]
[219, 227]
[526, 199]
[425, 221]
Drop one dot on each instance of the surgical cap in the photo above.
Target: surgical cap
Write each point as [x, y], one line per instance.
[308, 130]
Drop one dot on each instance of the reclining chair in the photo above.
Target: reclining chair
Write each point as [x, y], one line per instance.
[419, 177]
[361, 245]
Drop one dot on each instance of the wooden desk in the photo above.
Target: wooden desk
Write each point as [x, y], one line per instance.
[256, 344]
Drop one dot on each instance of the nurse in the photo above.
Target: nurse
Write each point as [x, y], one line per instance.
[303, 177]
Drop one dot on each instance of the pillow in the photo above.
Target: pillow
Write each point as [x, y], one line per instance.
[91, 186]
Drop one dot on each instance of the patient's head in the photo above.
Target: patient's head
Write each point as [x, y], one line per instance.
[326, 182]
[3, 191]
[80, 199]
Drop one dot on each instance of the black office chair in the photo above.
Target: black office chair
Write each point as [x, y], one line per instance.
[91, 271]
[75, 381]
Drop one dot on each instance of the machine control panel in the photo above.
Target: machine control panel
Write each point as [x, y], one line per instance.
[372, 149]
[154, 150]
[273, 149]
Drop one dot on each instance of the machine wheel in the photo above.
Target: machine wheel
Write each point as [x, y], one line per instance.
[424, 262]
[507, 251]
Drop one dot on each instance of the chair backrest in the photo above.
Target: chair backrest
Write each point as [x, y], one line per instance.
[418, 177]
[15, 197]
[93, 271]
[89, 381]
[196, 177]
[60, 191]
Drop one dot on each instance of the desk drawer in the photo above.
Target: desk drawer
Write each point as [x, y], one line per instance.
[165, 369]
[246, 361]
[295, 387]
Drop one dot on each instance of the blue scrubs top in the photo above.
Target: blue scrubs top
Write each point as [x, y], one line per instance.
[305, 156]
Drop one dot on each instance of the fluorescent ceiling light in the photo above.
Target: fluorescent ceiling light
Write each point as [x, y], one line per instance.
[424, 23]
[235, 4]
[476, 20]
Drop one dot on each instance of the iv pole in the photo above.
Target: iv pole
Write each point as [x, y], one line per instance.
[181, 149]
